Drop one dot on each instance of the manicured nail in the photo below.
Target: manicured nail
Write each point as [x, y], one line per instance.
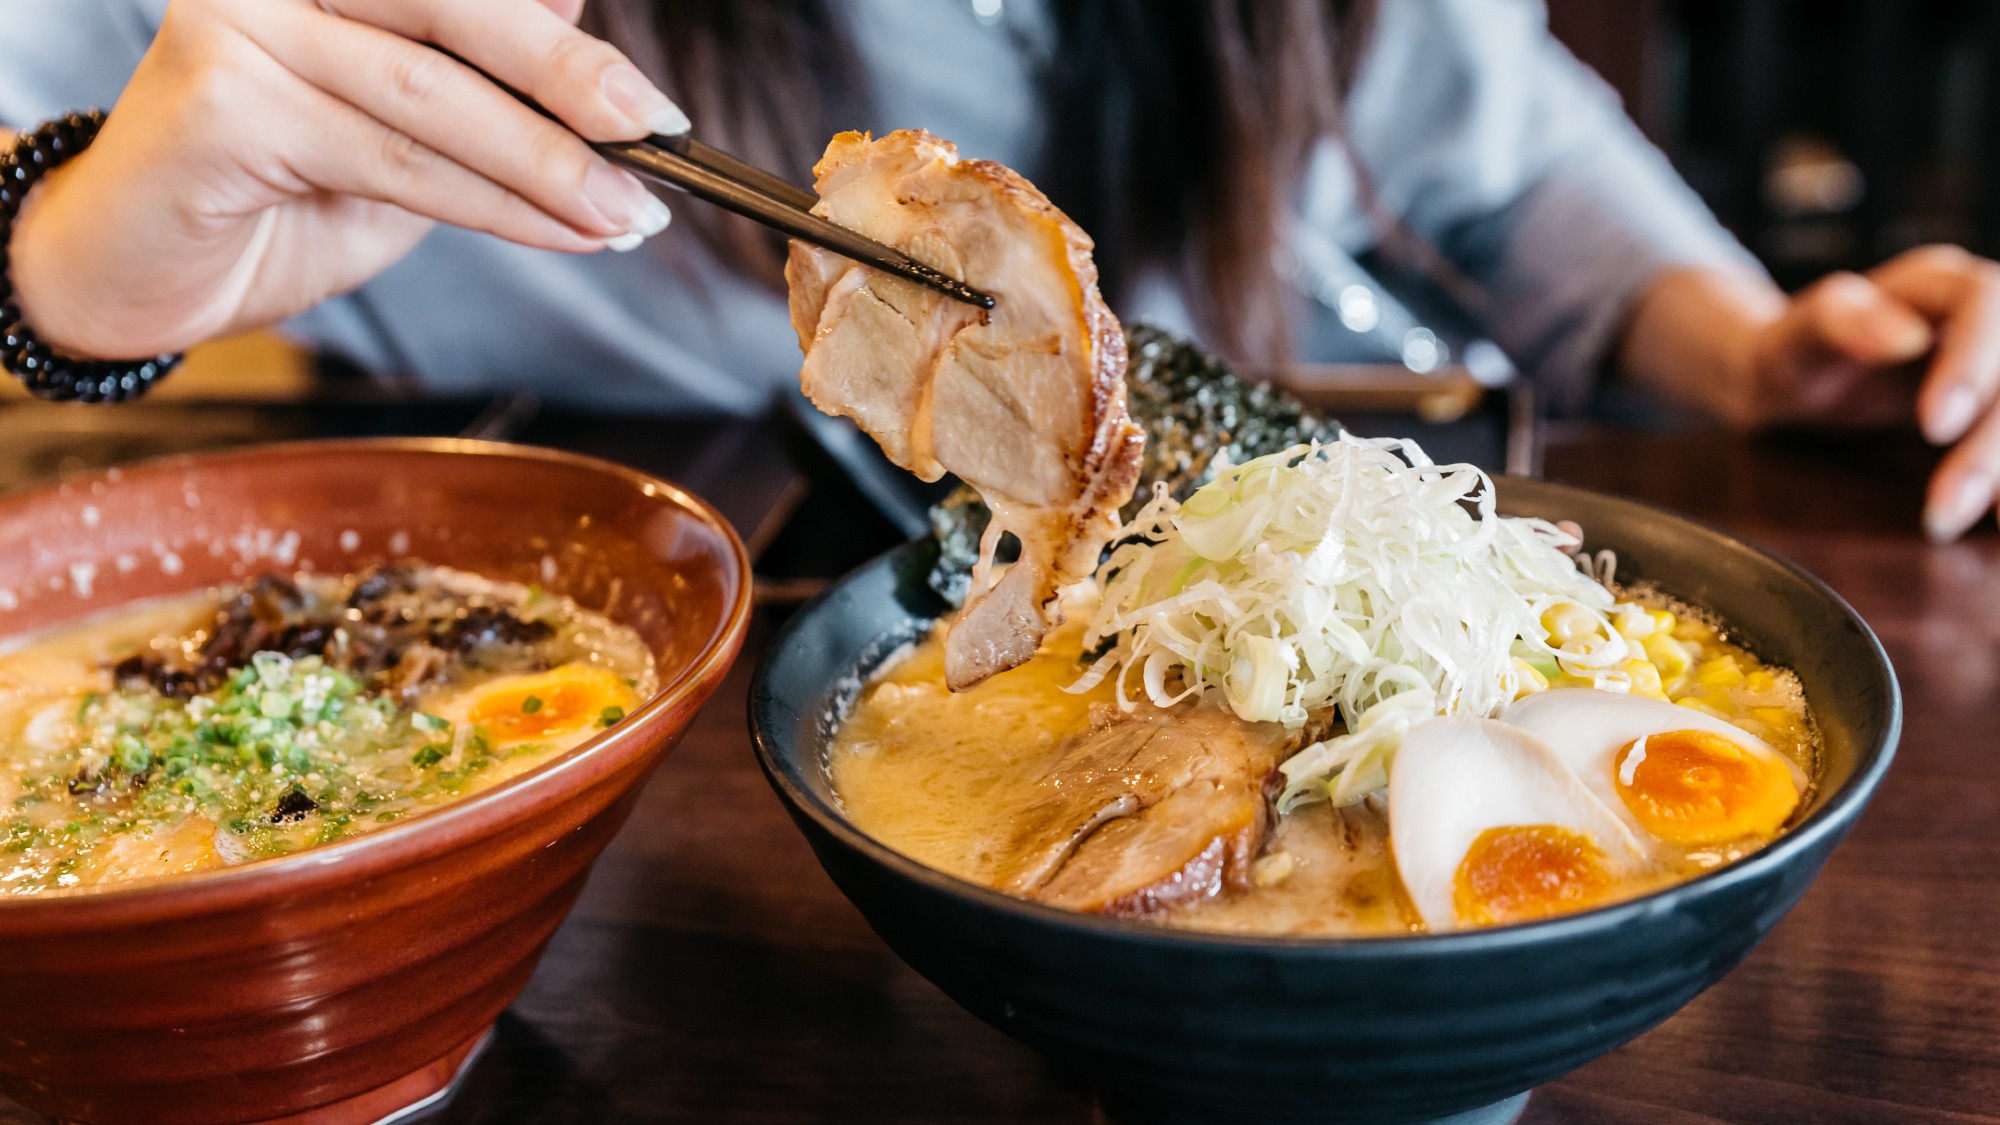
[650, 222]
[653, 219]
[1947, 518]
[620, 198]
[1953, 415]
[642, 101]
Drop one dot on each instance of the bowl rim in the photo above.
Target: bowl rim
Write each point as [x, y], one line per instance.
[454, 825]
[1832, 818]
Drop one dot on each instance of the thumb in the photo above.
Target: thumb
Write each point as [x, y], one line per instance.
[1845, 316]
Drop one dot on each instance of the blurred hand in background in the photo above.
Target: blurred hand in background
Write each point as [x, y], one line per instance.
[1917, 338]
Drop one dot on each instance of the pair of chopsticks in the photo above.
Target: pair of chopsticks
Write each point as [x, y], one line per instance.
[714, 175]
[727, 182]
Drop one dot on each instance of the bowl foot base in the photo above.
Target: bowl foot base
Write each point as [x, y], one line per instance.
[407, 1099]
[1499, 1113]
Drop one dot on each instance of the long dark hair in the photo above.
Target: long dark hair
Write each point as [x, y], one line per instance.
[1181, 132]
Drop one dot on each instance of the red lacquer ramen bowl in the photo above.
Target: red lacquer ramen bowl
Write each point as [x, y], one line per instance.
[341, 985]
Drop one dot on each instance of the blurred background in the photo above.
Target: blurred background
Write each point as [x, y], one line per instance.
[1827, 134]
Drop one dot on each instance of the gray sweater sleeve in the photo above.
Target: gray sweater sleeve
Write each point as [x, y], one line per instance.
[1497, 146]
[62, 55]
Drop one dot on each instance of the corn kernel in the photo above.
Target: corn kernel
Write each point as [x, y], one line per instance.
[1272, 869]
[1694, 629]
[1760, 681]
[1645, 678]
[1569, 622]
[1635, 623]
[1693, 704]
[1663, 621]
[1719, 673]
[1528, 679]
[1778, 718]
[1667, 655]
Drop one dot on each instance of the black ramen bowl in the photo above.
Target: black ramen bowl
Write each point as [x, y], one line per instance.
[1177, 1026]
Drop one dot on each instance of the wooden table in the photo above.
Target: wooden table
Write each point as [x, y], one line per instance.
[711, 972]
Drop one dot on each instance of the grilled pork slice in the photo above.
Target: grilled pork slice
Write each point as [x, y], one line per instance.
[1151, 811]
[1025, 403]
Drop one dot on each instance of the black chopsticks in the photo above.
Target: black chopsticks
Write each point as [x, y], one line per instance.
[727, 182]
[748, 190]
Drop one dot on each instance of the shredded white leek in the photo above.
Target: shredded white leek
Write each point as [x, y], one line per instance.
[1358, 576]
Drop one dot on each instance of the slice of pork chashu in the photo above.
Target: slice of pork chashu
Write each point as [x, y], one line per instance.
[1025, 403]
[1153, 810]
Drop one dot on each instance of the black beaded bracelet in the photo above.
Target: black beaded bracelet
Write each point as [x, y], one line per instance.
[47, 374]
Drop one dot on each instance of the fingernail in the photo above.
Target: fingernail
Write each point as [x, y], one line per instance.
[1953, 415]
[1946, 519]
[652, 223]
[642, 101]
[1901, 336]
[619, 197]
[653, 219]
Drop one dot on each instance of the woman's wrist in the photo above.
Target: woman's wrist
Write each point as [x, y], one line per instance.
[1694, 337]
[48, 370]
[41, 285]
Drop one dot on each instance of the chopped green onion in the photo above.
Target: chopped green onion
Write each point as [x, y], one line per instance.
[531, 705]
[610, 716]
[133, 757]
[1342, 576]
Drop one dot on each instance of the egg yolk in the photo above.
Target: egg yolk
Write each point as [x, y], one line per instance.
[1523, 872]
[1695, 787]
[559, 701]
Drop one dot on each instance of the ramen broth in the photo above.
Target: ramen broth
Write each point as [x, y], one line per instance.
[945, 777]
[216, 728]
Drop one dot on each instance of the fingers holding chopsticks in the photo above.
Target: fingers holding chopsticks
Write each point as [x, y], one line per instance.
[308, 145]
[585, 81]
[375, 55]
[448, 125]
[369, 160]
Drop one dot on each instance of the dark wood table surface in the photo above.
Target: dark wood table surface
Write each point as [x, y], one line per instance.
[711, 972]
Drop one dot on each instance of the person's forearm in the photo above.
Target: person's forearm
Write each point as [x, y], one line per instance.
[1691, 338]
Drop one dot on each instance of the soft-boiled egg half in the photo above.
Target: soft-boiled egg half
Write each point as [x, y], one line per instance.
[1488, 826]
[1677, 774]
[565, 700]
[1568, 800]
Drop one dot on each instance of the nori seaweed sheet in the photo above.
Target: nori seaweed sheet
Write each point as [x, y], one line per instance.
[1192, 407]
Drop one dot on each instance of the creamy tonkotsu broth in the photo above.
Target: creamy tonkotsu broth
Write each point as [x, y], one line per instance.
[950, 779]
[1335, 691]
[221, 727]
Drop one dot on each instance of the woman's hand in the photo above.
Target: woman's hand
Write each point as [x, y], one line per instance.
[1831, 357]
[1917, 337]
[269, 154]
